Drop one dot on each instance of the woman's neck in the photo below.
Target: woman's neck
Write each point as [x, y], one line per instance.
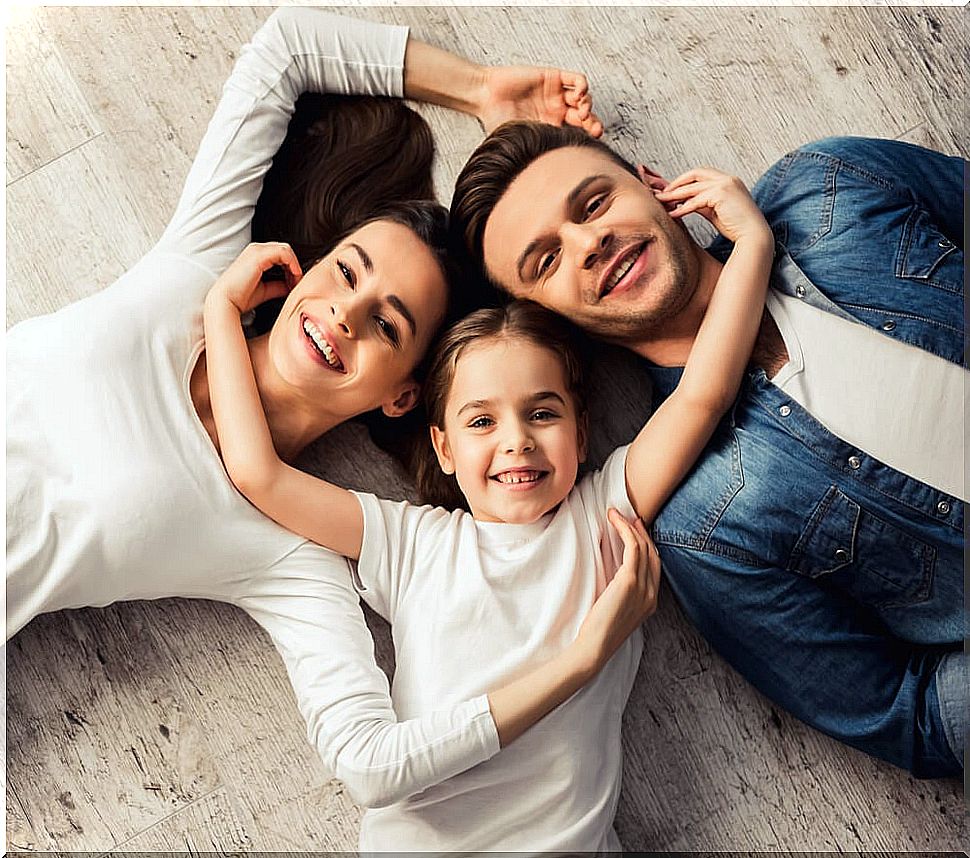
[293, 422]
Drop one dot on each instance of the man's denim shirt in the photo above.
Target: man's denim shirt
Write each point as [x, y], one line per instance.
[831, 581]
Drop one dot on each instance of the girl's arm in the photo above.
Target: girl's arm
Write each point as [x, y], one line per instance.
[673, 438]
[307, 505]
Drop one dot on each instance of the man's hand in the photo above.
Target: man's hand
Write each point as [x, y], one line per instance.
[722, 199]
[541, 94]
[242, 283]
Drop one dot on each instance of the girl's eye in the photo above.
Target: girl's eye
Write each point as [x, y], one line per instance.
[593, 206]
[347, 274]
[387, 329]
[481, 423]
[544, 414]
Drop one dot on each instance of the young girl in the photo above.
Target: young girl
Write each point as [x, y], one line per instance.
[489, 599]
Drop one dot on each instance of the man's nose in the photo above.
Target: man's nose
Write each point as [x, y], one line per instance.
[590, 243]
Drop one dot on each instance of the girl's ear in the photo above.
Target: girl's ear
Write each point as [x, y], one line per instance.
[439, 440]
[405, 400]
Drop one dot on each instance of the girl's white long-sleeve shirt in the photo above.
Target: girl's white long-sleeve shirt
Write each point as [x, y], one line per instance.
[115, 490]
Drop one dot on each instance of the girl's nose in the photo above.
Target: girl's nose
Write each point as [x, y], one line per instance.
[519, 442]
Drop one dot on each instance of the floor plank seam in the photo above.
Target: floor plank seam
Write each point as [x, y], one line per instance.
[165, 819]
[55, 159]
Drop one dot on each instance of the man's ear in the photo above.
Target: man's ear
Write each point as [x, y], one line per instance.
[439, 440]
[650, 178]
[582, 435]
[406, 399]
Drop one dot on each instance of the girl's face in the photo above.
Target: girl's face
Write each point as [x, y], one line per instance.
[351, 332]
[512, 436]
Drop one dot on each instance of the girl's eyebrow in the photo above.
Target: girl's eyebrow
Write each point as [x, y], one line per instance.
[473, 404]
[548, 394]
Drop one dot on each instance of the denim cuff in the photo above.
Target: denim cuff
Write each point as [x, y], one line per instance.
[953, 690]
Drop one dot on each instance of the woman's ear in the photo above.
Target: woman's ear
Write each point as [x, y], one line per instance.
[439, 440]
[405, 400]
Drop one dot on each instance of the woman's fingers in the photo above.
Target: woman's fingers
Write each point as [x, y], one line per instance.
[575, 86]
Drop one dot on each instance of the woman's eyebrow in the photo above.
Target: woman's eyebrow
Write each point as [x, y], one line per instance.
[401, 307]
[365, 260]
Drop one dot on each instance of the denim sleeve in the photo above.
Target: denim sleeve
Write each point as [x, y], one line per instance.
[813, 652]
[932, 179]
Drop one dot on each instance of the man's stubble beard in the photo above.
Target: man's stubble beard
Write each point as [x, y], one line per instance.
[676, 282]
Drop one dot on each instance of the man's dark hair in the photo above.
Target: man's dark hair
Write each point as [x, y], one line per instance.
[493, 166]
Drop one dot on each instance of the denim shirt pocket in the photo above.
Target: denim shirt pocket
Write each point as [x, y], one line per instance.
[927, 255]
[860, 554]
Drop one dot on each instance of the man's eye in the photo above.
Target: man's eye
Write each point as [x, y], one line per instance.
[481, 423]
[347, 274]
[546, 262]
[387, 329]
[593, 205]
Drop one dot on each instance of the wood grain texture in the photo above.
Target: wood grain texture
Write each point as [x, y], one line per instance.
[170, 725]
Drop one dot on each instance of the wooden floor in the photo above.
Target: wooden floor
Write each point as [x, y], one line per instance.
[171, 725]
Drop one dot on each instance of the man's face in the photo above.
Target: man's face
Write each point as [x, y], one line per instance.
[580, 235]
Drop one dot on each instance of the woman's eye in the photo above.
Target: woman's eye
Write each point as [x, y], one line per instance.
[387, 329]
[347, 274]
[481, 423]
[593, 205]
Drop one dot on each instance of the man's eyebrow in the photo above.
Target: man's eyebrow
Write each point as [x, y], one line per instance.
[364, 258]
[571, 198]
[401, 307]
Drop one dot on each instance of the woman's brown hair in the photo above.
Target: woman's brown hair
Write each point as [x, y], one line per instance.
[524, 320]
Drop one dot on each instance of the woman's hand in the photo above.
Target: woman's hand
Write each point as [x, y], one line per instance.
[628, 599]
[243, 284]
[722, 199]
[541, 94]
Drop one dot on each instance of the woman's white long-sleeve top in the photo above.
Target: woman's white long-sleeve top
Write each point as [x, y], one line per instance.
[114, 489]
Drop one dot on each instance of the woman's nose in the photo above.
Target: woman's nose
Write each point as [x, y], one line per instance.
[342, 318]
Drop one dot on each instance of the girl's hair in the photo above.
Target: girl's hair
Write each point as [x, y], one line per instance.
[523, 320]
[347, 161]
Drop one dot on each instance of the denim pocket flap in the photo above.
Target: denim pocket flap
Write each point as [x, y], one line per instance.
[922, 248]
[828, 541]
[874, 561]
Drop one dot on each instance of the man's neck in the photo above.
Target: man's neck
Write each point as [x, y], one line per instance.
[672, 345]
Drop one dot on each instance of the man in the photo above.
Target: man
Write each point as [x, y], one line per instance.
[818, 542]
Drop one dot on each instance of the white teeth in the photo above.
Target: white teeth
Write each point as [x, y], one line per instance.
[514, 479]
[620, 272]
[318, 340]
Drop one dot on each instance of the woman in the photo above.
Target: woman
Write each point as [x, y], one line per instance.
[115, 485]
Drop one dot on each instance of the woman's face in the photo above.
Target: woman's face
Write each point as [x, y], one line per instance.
[352, 330]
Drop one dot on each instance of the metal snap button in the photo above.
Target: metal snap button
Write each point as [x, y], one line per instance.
[800, 291]
[855, 462]
[784, 411]
[842, 556]
[943, 507]
[889, 326]
[945, 243]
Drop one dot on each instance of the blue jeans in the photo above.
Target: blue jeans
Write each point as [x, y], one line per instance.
[831, 581]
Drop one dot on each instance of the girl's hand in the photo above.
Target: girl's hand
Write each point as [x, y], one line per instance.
[547, 95]
[628, 599]
[242, 283]
[718, 197]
